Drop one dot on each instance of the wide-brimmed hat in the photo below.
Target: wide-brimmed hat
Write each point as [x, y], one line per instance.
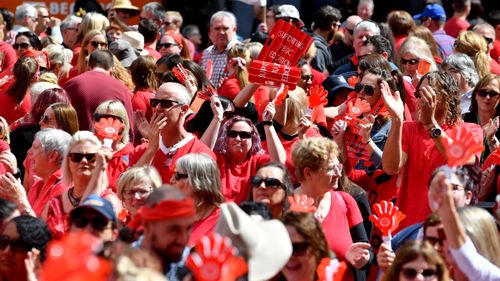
[333, 83]
[125, 53]
[125, 5]
[136, 40]
[265, 244]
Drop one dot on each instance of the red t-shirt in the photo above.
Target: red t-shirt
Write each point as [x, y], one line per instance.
[165, 163]
[140, 102]
[495, 52]
[9, 55]
[40, 194]
[454, 26]
[423, 159]
[235, 178]
[118, 164]
[318, 76]
[204, 227]
[343, 214]
[153, 53]
[10, 109]
[494, 67]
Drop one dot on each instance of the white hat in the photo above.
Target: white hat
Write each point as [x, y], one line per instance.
[289, 11]
[266, 244]
[136, 40]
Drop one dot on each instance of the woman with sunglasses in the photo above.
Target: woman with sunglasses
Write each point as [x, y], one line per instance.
[319, 170]
[25, 41]
[484, 111]
[417, 260]
[271, 185]
[309, 246]
[83, 160]
[93, 40]
[18, 239]
[409, 55]
[198, 176]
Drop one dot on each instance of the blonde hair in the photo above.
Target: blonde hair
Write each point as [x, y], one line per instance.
[121, 73]
[58, 55]
[296, 107]
[312, 153]
[176, 16]
[116, 108]
[254, 48]
[4, 130]
[82, 57]
[134, 176]
[474, 45]
[48, 77]
[78, 137]
[240, 51]
[425, 34]
[91, 21]
[481, 228]
[417, 47]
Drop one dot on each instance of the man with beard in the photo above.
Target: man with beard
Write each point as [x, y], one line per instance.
[167, 220]
[326, 23]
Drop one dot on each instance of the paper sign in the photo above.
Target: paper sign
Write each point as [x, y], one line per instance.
[461, 146]
[273, 74]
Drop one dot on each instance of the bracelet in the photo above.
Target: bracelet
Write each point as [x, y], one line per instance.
[267, 123]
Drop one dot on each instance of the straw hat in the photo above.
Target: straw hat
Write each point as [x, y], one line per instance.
[125, 5]
[136, 40]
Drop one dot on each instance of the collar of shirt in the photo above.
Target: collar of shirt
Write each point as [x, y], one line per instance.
[228, 47]
[173, 149]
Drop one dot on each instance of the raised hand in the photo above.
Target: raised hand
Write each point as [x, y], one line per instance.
[216, 106]
[365, 129]
[490, 128]
[427, 105]
[281, 95]
[158, 122]
[385, 257]
[338, 130]
[392, 102]
[301, 203]
[304, 125]
[12, 189]
[269, 112]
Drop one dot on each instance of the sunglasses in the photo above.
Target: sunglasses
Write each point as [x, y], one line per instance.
[16, 245]
[300, 248]
[179, 176]
[21, 45]
[490, 93]
[167, 45]
[488, 40]
[306, 77]
[350, 31]
[78, 157]
[96, 44]
[163, 103]
[45, 119]
[411, 61]
[98, 224]
[268, 182]
[243, 134]
[99, 116]
[436, 240]
[411, 273]
[369, 90]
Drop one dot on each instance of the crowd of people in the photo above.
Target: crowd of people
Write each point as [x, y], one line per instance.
[138, 152]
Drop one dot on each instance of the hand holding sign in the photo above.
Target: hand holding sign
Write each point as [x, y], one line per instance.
[215, 259]
[331, 270]
[281, 95]
[387, 218]
[109, 130]
[461, 146]
[301, 203]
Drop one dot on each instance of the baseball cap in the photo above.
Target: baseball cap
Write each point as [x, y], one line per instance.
[125, 53]
[433, 11]
[96, 203]
[289, 11]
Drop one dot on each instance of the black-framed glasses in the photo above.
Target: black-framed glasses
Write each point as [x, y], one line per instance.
[369, 90]
[410, 61]
[99, 116]
[300, 248]
[78, 157]
[483, 93]
[307, 77]
[97, 44]
[167, 45]
[411, 273]
[21, 45]
[488, 40]
[142, 192]
[97, 223]
[436, 240]
[179, 176]
[268, 182]
[166, 104]
[16, 245]
[243, 134]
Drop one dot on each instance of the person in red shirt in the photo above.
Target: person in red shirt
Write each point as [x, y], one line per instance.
[168, 139]
[416, 148]
[149, 29]
[458, 22]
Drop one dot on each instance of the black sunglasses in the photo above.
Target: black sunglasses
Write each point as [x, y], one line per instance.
[99, 116]
[490, 93]
[299, 248]
[179, 176]
[163, 103]
[16, 245]
[351, 31]
[167, 45]
[243, 135]
[369, 90]
[45, 119]
[411, 273]
[488, 40]
[268, 182]
[96, 44]
[98, 224]
[411, 61]
[78, 157]
[306, 77]
[21, 45]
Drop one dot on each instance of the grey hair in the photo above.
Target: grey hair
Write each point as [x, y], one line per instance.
[367, 26]
[223, 14]
[465, 65]
[78, 137]
[184, 97]
[156, 9]
[61, 56]
[485, 25]
[54, 140]
[71, 21]
[25, 10]
[367, 2]
[135, 175]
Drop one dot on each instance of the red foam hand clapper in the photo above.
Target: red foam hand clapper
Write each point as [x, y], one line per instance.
[317, 96]
[357, 107]
[301, 203]
[281, 95]
[387, 217]
[331, 270]
[273, 74]
[352, 80]
[180, 73]
[493, 159]
[206, 93]
[214, 259]
[209, 68]
[461, 146]
[109, 130]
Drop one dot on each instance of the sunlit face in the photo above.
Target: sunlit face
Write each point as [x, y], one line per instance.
[134, 195]
[48, 119]
[365, 11]
[302, 265]
[489, 101]
[168, 46]
[43, 19]
[409, 64]
[93, 223]
[174, 110]
[420, 266]
[271, 195]
[306, 78]
[371, 90]
[328, 174]
[114, 34]
[240, 144]
[97, 42]
[270, 20]
[84, 168]
[39, 159]
[435, 236]
[222, 32]
[359, 39]
[180, 180]
[22, 44]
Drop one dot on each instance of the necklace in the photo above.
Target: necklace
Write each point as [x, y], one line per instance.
[75, 201]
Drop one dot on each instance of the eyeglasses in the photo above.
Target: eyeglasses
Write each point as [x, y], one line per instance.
[410, 61]
[21, 45]
[243, 134]
[268, 182]
[179, 176]
[167, 45]
[483, 93]
[488, 40]
[129, 194]
[98, 224]
[369, 90]
[332, 168]
[16, 245]
[411, 273]
[300, 248]
[78, 157]
[96, 44]
[99, 116]
[306, 77]
[45, 119]
[163, 103]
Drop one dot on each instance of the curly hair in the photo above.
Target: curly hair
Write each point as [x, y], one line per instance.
[445, 85]
[221, 145]
[33, 233]
[312, 153]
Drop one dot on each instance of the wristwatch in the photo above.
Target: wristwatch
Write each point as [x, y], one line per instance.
[267, 123]
[435, 132]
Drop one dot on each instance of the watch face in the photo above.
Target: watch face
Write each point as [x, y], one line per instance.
[436, 132]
